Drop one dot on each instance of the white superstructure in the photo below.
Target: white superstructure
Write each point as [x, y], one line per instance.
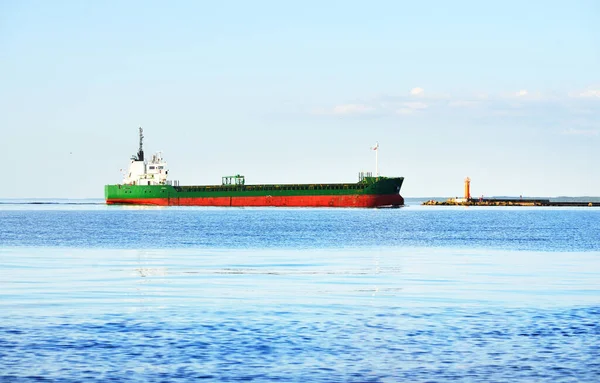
[142, 172]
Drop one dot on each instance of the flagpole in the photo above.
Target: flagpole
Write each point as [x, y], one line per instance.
[376, 148]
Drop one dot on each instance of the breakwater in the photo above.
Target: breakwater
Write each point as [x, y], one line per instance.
[508, 202]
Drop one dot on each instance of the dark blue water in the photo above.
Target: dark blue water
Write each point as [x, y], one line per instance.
[427, 294]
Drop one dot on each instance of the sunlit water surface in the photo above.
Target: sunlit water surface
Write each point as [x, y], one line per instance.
[90, 292]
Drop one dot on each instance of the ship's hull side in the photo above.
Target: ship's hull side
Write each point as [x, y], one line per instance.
[291, 201]
[384, 192]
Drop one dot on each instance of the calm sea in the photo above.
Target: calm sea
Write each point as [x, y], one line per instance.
[95, 293]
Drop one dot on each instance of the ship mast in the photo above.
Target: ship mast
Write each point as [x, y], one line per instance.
[140, 153]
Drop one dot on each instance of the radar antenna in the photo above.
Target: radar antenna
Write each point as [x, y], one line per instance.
[140, 153]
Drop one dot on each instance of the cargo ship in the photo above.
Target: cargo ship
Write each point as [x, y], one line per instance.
[146, 183]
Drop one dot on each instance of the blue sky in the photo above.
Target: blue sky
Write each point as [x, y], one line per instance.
[505, 93]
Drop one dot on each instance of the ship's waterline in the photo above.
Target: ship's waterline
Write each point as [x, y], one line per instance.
[350, 200]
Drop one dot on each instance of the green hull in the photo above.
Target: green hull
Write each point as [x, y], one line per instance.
[371, 192]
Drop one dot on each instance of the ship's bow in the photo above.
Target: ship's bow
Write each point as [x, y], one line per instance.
[385, 191]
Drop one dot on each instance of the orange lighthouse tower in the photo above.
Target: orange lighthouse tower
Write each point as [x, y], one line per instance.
[467, 188]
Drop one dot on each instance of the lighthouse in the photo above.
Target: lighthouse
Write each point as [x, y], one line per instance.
[467, 188]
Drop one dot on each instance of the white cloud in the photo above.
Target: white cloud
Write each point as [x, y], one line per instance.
[345, 109]
[518, 104]
[417, 91]
[590, 93]
[411, 107]
[415, 105]
[521, 93]
[463, 104]
[352, 109]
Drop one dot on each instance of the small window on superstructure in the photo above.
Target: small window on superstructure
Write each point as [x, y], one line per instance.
[151, 167]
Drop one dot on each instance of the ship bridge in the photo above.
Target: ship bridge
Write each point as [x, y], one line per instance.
[143, 172]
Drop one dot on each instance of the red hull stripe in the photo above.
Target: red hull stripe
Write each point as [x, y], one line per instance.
[292, 201]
